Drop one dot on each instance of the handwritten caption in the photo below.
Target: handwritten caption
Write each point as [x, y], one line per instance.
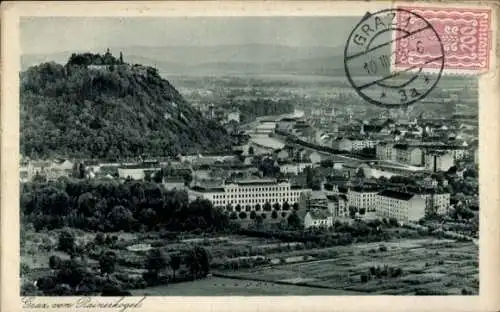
[121, 304]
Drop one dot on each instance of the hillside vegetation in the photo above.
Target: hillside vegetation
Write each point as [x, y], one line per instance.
[109, 112]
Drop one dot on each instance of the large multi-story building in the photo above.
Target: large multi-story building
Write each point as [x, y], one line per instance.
[318, 218]
[362, 198]
[402, 206]
[251, 193]
[355, 144]
[436, 203]
[51, 170]
[337, 205]
[408, 154]
[437, 160]
[137, 172]
[404, 153]
[294, 168]
[314, 200]
[385, 151]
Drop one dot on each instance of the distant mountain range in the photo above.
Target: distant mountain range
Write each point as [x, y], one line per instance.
[225, 59]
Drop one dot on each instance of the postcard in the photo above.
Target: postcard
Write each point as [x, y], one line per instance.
[250, 156]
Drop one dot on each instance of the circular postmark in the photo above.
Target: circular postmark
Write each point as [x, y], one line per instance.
[387, 54]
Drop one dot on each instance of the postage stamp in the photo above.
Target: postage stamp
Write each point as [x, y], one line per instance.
[464, 33]
[368, 58]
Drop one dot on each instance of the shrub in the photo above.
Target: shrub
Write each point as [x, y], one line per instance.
[233, 215]
[99, 239]
[382, 248]
[28, 289]
[364, 277]
[25, 269]
[66, 241]
[372, 270]
[46, 284]
[396, 272]
[55, 262]
[114, 290]
[243, 215]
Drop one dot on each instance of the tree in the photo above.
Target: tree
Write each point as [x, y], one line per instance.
[66, 241]
[327, 163]
[107, 262]
[229, 207]
[121, 218]
[267, 206]
[258, 220]
[46, 284]
[284, 214]
[263, 215]
[55, 262]
[276, 206]
[471, 173]
[148, 217]
[296, 206]
[274, 214]
[253, 214]
[148, 176]
[243, 215]
[251, 151]
[198, 262]
[352, 211]
[233, 215]
[86, 204]
[248, 208]
[364, 277]
[328, 186]
[257, 207]
[99, 239]
[175, 263]
[238, 208]
[156, 262]
[71, 273]
[286, 206]
[158, 176]
[360, 173]
[294, 220]
[204, 260]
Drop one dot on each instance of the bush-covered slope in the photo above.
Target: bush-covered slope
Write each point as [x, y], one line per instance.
[109, 112]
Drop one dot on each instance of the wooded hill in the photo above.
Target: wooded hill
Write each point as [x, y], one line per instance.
[109, 110]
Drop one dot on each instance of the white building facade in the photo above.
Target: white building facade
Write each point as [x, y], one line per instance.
[404, 207]
[439, 160]
[250, 193]
[362, 199]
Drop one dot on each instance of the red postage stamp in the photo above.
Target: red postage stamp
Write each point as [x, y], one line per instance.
[462, 35]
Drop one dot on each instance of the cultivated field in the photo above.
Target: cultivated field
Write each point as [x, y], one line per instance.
[428, 266]
[412, 266]
[217, 286]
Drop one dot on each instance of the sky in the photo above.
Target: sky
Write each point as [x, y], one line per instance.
[44, 35]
